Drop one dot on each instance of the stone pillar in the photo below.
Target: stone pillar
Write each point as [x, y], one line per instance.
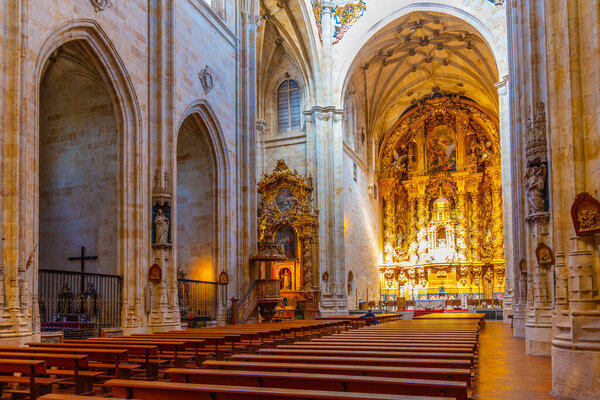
[520, 301]
[328, 167]
[19, 316]
[509, 202]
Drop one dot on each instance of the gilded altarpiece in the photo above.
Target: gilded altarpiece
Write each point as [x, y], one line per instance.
[286, 214]
[441, 204]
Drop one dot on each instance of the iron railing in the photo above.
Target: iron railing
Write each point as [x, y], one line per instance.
[197, 301]
[79, 304]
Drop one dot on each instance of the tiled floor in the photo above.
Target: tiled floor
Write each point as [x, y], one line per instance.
[505, 371]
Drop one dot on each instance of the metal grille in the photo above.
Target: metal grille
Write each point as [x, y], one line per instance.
[197, 301]
[57, 313]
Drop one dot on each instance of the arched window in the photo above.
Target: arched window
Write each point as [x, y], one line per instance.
[288, 106]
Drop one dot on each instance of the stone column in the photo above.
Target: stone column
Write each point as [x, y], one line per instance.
[164, 307]
[509, 201]
[573, 78]
[328, 168]
[520, 301]
[19, 316]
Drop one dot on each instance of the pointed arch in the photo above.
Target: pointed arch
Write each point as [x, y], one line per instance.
[206, 124]
[133, 182]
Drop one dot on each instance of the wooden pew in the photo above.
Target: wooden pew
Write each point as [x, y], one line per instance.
[215, 343]
[342, 383]
[195, 347]
[64, 365]
[375, 361]
[114, 362]
[154, 352]
[61, 396]
[144, 390]
[377, 347]
[33, 369]
[147, 355]
[391, 342]
[370, 354]
[456, 374]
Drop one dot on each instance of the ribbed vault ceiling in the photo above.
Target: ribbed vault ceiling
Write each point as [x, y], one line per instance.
[416, 57]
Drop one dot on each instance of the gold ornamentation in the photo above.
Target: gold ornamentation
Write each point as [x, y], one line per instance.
[441, 225]
[286, 201]
[346, 16]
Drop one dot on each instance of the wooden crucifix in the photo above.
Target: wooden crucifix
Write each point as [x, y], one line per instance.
[83, 258]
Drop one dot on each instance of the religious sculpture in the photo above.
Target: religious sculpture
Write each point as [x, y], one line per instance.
[89, 297]
[161, 227]
[535, 180]
[65, 300]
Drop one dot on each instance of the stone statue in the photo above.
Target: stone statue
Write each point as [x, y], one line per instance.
[535, 180]
[88, 304]
[65, 300]
[161, 227]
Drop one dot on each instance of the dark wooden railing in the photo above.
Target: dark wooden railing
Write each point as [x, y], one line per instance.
[261, 290]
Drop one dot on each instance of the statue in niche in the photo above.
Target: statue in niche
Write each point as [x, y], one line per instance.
[412, 156]
[285, 277]
[400, 239]
[89, 297]
[535, 181]
[161, 227]
[65, 300]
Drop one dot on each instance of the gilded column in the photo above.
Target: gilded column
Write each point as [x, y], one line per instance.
[461, 221]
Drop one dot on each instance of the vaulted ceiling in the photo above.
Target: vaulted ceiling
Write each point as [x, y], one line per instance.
[418, 56]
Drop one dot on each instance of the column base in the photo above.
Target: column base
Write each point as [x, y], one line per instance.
[575, 374]
[505, 314]
[333, 305]
[538, 341]
[519, 326]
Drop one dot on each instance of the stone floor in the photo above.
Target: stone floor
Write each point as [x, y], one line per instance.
[505, 372]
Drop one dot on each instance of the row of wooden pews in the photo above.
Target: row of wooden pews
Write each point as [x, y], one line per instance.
[319, 359]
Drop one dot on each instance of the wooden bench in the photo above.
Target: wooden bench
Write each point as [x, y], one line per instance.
[370, 354]
[152, 354]
[342, 383]
[113, 362]
[391, 342]
[64, 365]
[377, 347]
[61, 396]
[451, 374]
[145, 390]
[375, 361]
[33, 369]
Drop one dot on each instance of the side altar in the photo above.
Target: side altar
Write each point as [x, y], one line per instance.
[287, 219]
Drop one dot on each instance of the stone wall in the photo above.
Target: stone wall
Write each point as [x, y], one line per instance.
[195, 210]
[147, 56]
[361, 232]
[78, 171]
